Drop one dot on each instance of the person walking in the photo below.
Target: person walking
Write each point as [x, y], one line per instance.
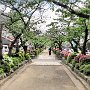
[50, 51]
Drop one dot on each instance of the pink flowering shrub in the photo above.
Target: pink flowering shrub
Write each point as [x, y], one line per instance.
[65, 53]
[80, 58]
[83, 57]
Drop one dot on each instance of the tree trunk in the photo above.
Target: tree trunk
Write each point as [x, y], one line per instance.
[60, 45]
[12, 44]
[72, 11]
[85, 40]
[25, 49]
[1, 55]
[75, 49]
[35, 45]
[17, 46]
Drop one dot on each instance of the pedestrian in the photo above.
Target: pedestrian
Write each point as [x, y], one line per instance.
[50, 51]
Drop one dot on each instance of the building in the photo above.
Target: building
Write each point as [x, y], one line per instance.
[6, 42]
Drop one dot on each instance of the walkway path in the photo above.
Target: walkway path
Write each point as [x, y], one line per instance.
[45, 73]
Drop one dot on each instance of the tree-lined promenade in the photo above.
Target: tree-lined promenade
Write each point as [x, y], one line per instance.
[44, 73]
[67, 35]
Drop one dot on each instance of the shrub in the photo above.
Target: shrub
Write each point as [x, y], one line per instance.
[73, 63]
[7, 64]
[77, 66]
[82, 68]
[86, 69]
[54, 50]
[27, 56]
[70, 57]
[65, 53]
[87, 61]
[57, 53]
[77, 58]
[6, 67]
[80, 58]
[2, 74]
[21, 56]
[1, 71]
[35, 52]
[16, 62]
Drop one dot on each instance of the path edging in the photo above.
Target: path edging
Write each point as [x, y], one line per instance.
[84, 80]
[4, 80]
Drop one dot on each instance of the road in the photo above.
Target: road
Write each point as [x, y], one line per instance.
[44, 73]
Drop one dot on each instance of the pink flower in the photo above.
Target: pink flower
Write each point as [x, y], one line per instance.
[80, 57]
[65, 53]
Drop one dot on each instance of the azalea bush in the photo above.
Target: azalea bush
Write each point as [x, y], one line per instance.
[73, 63]
[65, 53]
[77, 66]
[81, 58]
[86, 69]
[71, 57]
[78, 61]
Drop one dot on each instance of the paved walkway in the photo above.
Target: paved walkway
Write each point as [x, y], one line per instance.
[45, 73]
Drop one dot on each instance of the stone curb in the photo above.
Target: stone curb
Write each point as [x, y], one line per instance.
[86, 78]
[14, 73]
[78, 75]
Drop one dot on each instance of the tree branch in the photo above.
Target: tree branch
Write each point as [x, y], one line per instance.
[80, 14]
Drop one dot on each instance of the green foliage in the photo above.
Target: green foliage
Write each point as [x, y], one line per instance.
[70, 57]
[1, 71]
[21, 56]
[37, 51]
[27, 56]
[16, 62]
[73, 63]
[57, 53]
[86, 69]
[2, 74]
[77, 65]
[82, 68]
[7, 64]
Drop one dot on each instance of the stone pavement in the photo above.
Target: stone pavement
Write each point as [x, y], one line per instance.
[46, 59]
[45, 73]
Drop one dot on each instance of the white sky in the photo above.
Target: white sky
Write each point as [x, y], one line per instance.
[49, 16]
[3, 8]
